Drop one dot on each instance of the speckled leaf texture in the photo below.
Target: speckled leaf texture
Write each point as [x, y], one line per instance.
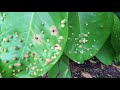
[115, 38]
[31, 42]
[88, 32]
[60, 69]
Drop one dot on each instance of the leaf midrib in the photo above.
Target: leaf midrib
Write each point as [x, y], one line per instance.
[29, 29]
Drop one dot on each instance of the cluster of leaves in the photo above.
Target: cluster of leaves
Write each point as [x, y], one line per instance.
[36, 43]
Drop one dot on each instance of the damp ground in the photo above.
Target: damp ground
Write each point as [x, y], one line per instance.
[94, 69]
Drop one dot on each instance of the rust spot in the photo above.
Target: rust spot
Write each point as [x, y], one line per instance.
[47, 61]
[20, 40]
[14, 58]
[57, 47]
[53, 31]
[19, 70]
[27, 68]
[26, 56]
[37, 38]
[18, 64]
[34, 54]
[16, 48]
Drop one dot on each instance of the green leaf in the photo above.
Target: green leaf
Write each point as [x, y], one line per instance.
[60, 69]
[31, 42]
[107, 53]
[118, 14]
[88, 32]
[115, 37]
[52, 73]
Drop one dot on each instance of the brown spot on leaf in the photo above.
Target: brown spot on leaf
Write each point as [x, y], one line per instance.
[34, 54]
[47, 61]
[37, 38]
[57, 47]
[53, 31]
[18, 64]
[86, 74]
[14, 58]
[16, 48]
[26, 55]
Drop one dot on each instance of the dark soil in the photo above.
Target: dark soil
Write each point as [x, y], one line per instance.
[94, 69]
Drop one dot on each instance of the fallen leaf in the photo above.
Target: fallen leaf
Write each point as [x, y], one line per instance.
[118, 67]
[86, 74]
[102, 66]
[93, 62]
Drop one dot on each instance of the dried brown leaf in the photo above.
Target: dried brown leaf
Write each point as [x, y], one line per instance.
[86, 74]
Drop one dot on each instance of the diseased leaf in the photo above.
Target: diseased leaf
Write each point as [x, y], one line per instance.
[60, 69]
[88, 31]
[31, 42]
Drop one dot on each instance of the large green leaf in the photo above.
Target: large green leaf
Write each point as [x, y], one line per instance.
[107, 53]
[60, 69]
[88, 31]
[115, 38]
[31, 42]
